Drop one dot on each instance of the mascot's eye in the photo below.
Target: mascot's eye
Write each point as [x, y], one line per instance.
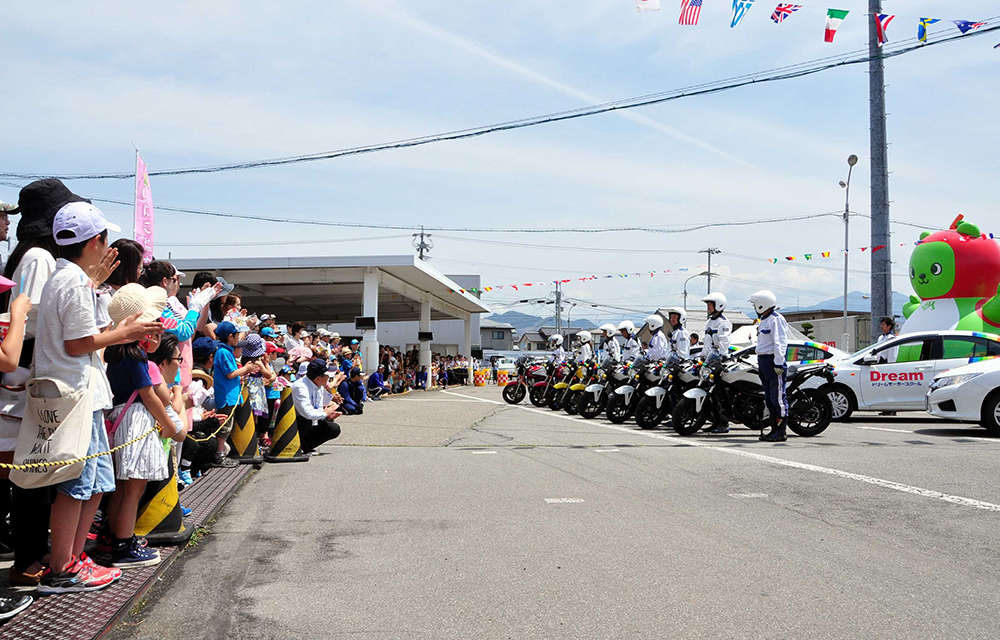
[936, 269]
[913, 272]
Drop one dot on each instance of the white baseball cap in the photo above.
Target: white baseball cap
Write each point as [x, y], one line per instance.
[79, 222]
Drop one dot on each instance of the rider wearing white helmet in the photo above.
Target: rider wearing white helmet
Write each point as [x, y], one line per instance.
[680, 339]
[657, 341]
[558, 353]
[586, 345]
[772, 341]
[632, 344]
[612, 350]
[717, 331]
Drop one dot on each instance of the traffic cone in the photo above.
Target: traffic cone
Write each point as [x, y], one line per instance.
[285, 446]
[243, 438]
[159, 517]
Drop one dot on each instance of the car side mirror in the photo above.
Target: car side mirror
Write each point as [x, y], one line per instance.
[870, 359]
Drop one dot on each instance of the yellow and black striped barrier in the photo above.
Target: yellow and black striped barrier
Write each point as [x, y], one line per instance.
[243, 438]
[159, 518]
[285, 445]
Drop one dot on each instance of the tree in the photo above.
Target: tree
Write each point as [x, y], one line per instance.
[807, 329]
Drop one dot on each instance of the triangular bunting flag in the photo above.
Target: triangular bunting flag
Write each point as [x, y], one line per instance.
[690, 10]
[881, 246]
[782, 11]
[808, 256]
[773, 260]
[789, 258]
[965, 26]
[922, 27]
[647, 5]
[833, 19]
[740, 8]
[826, 254]
[882, 21]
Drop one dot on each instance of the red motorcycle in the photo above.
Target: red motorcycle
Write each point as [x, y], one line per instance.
[529, 372]
[543, 391]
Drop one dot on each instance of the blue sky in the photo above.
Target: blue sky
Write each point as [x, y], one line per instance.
[204, 83]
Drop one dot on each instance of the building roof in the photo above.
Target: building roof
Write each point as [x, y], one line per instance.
[531, 336]
[331, 288]
[486, 323]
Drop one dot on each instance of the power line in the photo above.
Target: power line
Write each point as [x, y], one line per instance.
[797, 70]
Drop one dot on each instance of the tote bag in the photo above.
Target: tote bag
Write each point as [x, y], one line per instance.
[57, 426]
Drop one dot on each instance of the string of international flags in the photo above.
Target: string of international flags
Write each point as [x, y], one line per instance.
[691, 11]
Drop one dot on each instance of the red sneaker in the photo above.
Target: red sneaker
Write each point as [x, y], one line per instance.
[98, 570]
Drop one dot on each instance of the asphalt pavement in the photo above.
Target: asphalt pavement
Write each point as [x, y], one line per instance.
[449, 514]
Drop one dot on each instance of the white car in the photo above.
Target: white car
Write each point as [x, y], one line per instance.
[804, 352]
[896, 375]
[970, 393]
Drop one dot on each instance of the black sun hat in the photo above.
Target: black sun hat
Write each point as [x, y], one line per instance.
[39, 202]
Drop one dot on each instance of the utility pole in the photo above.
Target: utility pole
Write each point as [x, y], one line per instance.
[881, 304]
[558, 308]
[710, 251]
[422, 243]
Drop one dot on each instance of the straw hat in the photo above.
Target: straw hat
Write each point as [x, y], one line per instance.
[133, 298]
[206, 378]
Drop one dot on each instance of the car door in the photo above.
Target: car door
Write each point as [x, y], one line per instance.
[902, 375]
[959, 350]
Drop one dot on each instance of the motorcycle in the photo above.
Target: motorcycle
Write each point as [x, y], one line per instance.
[623, 402]
[586, 374]
[675, 377]
[560, 388]
[594, 401]
[809, 410]
[527, 373]
[542, 389]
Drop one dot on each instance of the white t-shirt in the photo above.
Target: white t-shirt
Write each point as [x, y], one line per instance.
[36, 267]
[67, 312]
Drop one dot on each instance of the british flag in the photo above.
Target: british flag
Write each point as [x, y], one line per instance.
[690, 10]
[782, 11]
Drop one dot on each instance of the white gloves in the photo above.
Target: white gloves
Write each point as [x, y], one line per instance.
[198, 300]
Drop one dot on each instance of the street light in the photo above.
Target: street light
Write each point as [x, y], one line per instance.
[703, 273]
[851, 161]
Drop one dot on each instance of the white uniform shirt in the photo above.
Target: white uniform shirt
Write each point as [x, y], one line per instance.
[717, 331]
[586, 352]
[772, 337]
[657, 346]
[680, 342]
[632, 348]
[612, 350]
[558, 355]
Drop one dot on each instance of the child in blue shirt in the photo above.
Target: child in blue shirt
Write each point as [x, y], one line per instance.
[226, 383]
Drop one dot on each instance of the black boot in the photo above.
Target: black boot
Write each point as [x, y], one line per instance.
[778, 433]
[773, 423]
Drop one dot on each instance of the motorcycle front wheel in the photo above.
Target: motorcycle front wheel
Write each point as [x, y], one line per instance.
[647, 415]
[514, 393]
[537, 396]
[685, 419]
[809, 412]
[555, 399]
[618, 411]
[571, 401]
[589, 407]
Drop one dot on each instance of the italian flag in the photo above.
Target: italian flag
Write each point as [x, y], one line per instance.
[833, 19]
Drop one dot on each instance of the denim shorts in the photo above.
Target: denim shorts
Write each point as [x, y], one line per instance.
[98, 473]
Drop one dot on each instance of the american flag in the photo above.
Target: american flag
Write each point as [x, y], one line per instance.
[782, 11]
[690, 10]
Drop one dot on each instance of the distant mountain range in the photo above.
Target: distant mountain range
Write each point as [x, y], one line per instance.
[526, 323]
[857, 302]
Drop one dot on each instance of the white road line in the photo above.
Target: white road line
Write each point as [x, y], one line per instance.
[993, 440]
[879, 482]
[882, 429]
[564, 500]
[748, 495]
[482, 452]
[605, 450]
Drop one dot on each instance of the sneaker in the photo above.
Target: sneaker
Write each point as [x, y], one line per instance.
[16, 578]
[99, 570]
[10, 607]
[778, 436]
[185, 511]
[224, 462]
[105, 541]
[720, 429]
[134, 556]
[184, 475]
[77, 577]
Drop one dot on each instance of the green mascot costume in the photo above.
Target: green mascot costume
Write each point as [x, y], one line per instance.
[956, 274]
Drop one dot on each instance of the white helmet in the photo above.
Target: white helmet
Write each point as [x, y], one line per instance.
[626, 325]
[718, 299]
[556, 339]
[655, 322]
[584, 337]
[608, 329]
[680, 312]
[762, 301]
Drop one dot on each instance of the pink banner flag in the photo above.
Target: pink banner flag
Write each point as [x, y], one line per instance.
[143, 222]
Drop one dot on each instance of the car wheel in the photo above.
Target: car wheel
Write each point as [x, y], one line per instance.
[843, 403]
[991, 414]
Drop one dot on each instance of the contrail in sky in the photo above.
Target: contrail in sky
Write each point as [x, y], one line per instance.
[467, 45]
